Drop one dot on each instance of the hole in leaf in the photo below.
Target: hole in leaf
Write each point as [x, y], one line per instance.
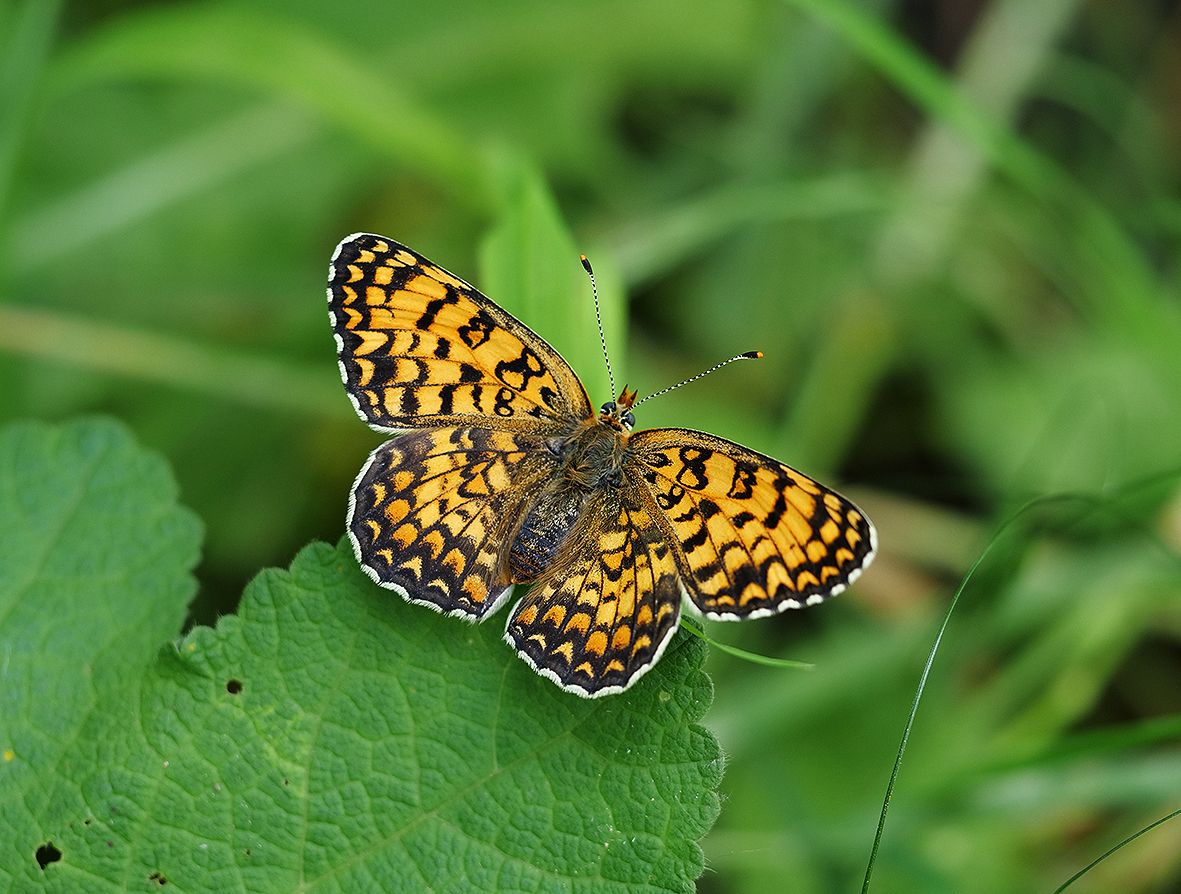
[233, 687]
[158, 878]
[86, 822]
[47, 854]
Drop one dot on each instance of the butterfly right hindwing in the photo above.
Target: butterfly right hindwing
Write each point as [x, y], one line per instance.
[432, 512]
[603, 613]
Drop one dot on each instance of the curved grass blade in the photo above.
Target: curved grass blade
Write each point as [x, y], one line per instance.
[743, 654]
[914, 707]
[1070, 881]
[1111, 504]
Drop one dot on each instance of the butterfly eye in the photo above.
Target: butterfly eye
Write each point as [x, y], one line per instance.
[608, 408]
[629, 420]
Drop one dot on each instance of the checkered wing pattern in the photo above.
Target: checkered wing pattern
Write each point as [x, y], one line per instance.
[752, 536]
[604, 612]
[419, 347]
[504, 474]
[432, 512]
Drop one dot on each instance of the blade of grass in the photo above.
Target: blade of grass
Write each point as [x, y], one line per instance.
[273, 55]
[1088, 502]
[855, 348]
[1070, 881]
[529, 262]
[30, 34]
[1095, 743]
[1004, 56]
[651, 246]
[753, 657]
[157, 181]
[167, 360]
[890, 786]
[1115, 281]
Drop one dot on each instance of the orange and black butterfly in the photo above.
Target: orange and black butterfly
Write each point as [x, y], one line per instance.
[503, 473]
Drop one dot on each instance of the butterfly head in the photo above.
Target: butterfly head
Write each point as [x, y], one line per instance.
[618, 413]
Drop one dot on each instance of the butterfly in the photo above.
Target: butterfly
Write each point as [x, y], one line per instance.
[502, 473]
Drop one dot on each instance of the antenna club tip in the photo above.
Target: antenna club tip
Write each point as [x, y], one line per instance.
[753, 355]
[585, 263]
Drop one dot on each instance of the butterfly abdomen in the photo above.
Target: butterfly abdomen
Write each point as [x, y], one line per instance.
[542, 534]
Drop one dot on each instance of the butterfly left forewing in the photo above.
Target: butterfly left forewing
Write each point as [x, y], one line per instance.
[419, 347]
[752, 536]
[605, 610]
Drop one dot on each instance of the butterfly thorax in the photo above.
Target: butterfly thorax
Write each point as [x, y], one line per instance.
[590, 460]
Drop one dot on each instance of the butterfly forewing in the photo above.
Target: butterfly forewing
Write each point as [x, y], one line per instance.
[419, 347]
[753, 536]
[603, 613]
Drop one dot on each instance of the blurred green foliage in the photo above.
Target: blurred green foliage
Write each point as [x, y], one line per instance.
[952, 227]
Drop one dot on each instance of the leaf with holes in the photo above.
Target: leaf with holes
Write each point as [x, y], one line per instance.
[326, 738]
[95, 556]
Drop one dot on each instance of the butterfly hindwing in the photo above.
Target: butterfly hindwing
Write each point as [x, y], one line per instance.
[419, 347]
[432, 512]
[754, 536]
[604, 612]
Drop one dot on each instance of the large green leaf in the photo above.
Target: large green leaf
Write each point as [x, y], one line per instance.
[94, 574]
[328, 737]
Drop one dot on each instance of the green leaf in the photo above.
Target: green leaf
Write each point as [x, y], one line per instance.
[94, 575]
[330, 736]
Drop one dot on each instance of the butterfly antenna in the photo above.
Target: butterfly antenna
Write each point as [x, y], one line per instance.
[599, 319]
[748, 355]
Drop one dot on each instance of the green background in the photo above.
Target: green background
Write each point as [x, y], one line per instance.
[952, 227]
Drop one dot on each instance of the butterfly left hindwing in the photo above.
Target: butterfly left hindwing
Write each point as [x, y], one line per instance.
[431, 511]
